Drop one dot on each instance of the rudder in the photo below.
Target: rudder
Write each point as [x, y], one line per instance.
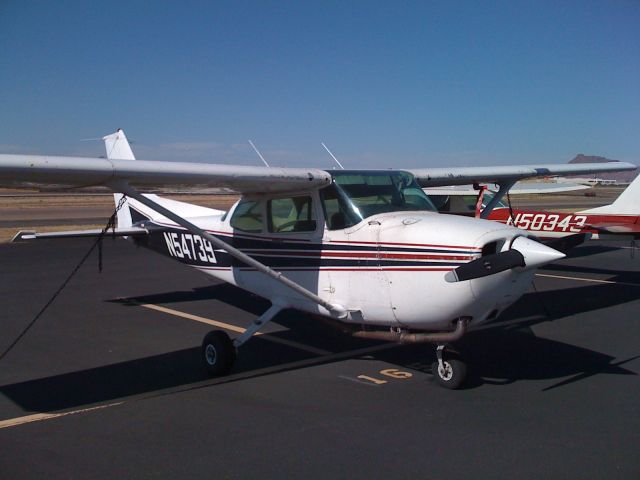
[628, 203]
[118, 148]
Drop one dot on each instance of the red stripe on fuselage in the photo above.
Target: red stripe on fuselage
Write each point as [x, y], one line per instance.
[561, 222]
[333, 242]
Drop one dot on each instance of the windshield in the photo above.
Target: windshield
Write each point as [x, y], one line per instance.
[462, 204]
[356, 195]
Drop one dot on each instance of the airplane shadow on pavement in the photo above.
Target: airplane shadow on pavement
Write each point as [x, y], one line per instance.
[589, 249]
[497, 355]
[628, 276]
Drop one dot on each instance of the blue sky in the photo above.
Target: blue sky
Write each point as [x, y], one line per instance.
[383, 84]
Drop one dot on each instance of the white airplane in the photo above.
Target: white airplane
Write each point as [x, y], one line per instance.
[364, 247]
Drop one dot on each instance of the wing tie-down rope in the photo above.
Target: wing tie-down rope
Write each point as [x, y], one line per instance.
[111, 223]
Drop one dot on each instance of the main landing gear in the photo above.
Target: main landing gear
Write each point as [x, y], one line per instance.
[218, 351]
[449, 370]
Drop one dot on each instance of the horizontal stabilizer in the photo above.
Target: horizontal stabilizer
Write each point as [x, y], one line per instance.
[119, 232]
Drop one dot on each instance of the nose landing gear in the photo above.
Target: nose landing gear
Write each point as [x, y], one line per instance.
[449, 371]
[218, 351]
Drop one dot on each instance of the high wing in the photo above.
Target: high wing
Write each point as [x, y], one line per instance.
[36, 171]
[529, 188]
[434, 177]
[517, 189]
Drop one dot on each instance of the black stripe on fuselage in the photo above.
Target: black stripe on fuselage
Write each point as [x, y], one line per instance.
[193, 250]
[251, 242]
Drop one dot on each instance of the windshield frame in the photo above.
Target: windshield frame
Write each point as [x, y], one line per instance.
[355, 195]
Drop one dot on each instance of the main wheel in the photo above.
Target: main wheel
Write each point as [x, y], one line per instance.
[452, 374]
[218, 353]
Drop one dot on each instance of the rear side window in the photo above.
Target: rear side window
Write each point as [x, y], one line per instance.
[291, 214]
[247, 217]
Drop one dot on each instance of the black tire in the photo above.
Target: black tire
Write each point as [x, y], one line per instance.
[218, 353]
[454, 374]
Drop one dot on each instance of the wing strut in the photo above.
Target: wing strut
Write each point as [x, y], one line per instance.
[335, 310]
[504, 187]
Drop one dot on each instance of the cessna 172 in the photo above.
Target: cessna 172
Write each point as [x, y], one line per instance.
[364, 247]
[619, 220]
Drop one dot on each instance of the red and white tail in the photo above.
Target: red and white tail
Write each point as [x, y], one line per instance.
[628, 203]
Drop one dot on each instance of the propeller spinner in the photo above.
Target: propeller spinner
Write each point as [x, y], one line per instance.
[525, 253]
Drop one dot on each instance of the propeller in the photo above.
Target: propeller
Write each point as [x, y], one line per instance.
[524, 252]
[487, 265]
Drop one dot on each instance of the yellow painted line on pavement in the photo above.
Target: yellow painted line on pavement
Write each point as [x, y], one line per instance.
[188, 316]
[39, 417]
[331, 357]
[233, 328]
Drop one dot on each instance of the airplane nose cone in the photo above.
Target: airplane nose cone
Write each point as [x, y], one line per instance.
[535, 253]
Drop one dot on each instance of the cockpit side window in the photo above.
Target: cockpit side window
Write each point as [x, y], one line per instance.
[247, 216]
[291, 214]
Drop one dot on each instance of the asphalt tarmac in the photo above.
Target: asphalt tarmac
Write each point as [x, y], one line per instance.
[108, 384]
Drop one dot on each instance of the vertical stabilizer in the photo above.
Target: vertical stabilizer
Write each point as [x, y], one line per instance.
[118, 148]
[628, 203]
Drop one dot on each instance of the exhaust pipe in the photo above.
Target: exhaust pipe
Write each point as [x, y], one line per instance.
[404, 337]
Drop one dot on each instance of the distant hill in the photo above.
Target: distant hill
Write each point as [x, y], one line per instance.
[622, 177]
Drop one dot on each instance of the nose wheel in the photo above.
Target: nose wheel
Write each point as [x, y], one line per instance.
[449, 370]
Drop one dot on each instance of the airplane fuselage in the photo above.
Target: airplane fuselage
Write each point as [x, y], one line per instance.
[387, 270]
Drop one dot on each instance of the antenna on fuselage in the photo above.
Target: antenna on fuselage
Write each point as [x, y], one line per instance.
[332, 155]
[259, 154]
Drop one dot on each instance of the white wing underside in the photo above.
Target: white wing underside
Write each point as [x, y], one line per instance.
[517, 189]
[434, 177]
[35, 171]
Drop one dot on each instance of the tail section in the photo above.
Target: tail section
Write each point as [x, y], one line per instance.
[628, 203]
[118, 147]
[132, 211]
